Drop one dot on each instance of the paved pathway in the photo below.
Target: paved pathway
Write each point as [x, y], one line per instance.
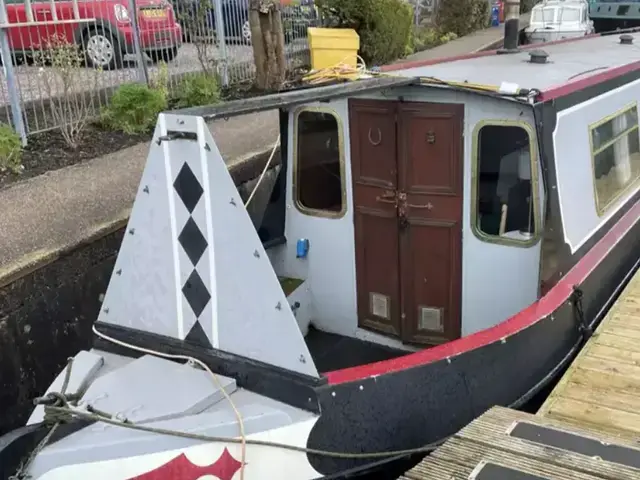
[475, 42]
[60, 208]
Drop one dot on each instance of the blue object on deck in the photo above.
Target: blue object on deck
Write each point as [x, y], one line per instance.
[495, 15]
[302, 248]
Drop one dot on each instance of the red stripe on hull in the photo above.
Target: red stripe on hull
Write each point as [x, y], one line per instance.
[549, 303]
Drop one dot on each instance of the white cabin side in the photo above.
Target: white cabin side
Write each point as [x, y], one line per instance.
[601, 133]
[500, 273]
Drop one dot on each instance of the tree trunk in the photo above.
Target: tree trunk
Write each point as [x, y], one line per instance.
[267, 37]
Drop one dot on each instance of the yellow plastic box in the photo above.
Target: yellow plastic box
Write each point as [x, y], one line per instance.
[330, 46]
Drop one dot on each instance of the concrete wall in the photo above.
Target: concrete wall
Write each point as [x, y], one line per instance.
[46, 311]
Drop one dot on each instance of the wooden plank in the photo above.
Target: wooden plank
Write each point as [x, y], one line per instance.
[610, 365]
[615, 341]
[608, 419]
[613, 354]
[492, 430]
[469, 454]
[488, 439]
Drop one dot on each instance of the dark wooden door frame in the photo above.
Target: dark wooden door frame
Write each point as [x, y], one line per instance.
[370, 201]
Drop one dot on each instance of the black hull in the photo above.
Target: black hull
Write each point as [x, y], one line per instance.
[424, 404]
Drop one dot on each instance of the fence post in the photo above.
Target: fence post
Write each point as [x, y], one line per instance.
[12, 87]
[143, 74]
[222, 41]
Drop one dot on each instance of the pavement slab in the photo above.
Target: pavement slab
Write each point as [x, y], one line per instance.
[63, 207]
[475, 42]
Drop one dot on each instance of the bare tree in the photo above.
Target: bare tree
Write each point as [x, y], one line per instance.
[267, 37]
[196, 21]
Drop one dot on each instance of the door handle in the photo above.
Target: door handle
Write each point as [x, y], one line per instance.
[428, 206]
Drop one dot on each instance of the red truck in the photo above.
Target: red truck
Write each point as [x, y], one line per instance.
[102, 28]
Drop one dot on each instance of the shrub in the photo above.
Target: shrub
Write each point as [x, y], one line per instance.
[198, 89]
[70, 108]
[134, 108]
[462, 16]
[384, 26]
[10, 149]
[424, 37]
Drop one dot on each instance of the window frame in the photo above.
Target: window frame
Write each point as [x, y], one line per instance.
[535, 184]
[295, 183]
[601, 211]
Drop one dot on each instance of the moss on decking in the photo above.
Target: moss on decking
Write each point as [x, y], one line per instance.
[289, 284]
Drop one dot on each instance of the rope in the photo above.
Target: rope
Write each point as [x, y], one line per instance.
[264, 171]
[63, 411]
[191, 360]
[67, 413]
[52, 398]
[344, 71]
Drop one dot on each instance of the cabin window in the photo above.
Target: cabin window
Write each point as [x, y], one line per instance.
[544, 15]
[319, 165]
[570, 15]
[615, 149]
[505, 191]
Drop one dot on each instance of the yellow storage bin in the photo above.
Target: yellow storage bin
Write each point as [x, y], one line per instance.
[330, 46]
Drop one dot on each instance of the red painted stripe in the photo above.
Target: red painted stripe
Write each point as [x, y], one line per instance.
[580, 84]
[556, 296]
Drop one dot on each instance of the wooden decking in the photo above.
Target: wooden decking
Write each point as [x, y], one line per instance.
[601, 389]
[588, 428]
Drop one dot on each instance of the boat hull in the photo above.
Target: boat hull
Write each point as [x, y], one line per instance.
[423, 404]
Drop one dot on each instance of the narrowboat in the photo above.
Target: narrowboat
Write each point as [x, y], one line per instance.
[440, 237]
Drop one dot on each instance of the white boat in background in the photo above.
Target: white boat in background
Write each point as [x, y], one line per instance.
[557, 20]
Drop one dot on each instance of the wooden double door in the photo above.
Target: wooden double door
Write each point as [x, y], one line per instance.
[407, 181]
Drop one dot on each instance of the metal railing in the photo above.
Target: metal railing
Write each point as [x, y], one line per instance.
[163, 38]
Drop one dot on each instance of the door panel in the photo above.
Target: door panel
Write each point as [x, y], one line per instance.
[373, 159]
[430, 286]
[374, 137]
[430, 169]
[407, 173]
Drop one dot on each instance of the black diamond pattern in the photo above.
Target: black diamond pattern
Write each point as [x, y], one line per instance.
[196, 336]
[196, 293]
[192, 241]
[188, 187]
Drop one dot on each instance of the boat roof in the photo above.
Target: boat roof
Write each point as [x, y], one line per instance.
[571, 66]
[591, 59]
[295, 97]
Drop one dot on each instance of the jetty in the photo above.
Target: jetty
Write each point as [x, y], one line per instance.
[587, 428]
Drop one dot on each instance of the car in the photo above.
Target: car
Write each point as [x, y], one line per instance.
[235, 15]
[102, 28]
